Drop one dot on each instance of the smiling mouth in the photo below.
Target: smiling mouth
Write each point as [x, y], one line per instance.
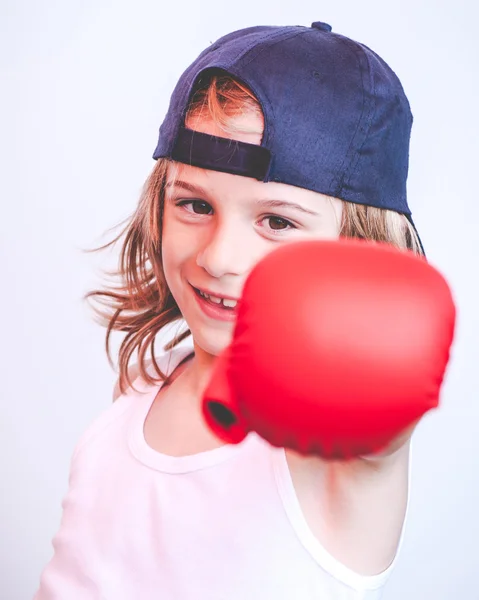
[225, 303]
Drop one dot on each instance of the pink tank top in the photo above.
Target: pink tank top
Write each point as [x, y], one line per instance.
[219, 525]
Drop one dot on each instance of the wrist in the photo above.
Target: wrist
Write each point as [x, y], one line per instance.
[396, 446]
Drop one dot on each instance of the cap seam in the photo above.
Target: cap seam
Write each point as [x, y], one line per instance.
[349, 164]
[370, 118]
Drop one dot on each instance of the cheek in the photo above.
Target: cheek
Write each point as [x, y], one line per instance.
[180, 245]
[174, 250]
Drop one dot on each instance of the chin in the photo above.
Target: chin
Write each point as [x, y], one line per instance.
[212, 342]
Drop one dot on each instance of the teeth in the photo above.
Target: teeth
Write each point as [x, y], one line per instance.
[217, 300]
[229, 303]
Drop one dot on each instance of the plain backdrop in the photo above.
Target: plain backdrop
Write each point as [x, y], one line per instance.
[84, 87]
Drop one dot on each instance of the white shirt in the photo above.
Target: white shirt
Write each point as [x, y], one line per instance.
[224, 524]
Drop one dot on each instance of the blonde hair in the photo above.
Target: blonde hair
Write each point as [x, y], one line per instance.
[140, 304]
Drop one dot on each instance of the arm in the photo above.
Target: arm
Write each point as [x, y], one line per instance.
[365, 501]
[356, 509]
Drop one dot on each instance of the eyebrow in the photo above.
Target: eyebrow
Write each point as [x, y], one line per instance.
[195, 189]
[264, 202]
[284, 204]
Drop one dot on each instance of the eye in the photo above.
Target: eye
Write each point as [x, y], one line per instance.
[275, 223]
[197, 207]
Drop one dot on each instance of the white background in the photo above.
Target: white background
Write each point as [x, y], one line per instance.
[85, 85]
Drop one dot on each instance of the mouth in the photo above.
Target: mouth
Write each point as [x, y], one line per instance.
[219, 308]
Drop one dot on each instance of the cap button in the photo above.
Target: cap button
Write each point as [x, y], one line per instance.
[321, 26]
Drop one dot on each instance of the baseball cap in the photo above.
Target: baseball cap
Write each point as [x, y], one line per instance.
[336, 118]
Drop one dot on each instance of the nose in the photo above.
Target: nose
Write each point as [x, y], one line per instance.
[224, 252]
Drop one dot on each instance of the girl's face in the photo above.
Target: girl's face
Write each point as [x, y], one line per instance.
[217, 226]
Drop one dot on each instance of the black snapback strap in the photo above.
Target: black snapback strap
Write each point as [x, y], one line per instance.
[221, 154]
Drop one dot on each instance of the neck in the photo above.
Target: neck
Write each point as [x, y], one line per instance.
[196, 373]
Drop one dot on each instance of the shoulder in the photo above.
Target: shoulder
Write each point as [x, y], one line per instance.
[112, 416]
[129, 400]
[134, 373]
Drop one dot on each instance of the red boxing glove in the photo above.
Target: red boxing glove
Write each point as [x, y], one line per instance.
[338, 347]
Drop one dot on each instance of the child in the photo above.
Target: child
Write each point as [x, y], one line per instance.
[274, 134]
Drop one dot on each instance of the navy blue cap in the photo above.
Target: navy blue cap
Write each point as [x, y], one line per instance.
[337, 120]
